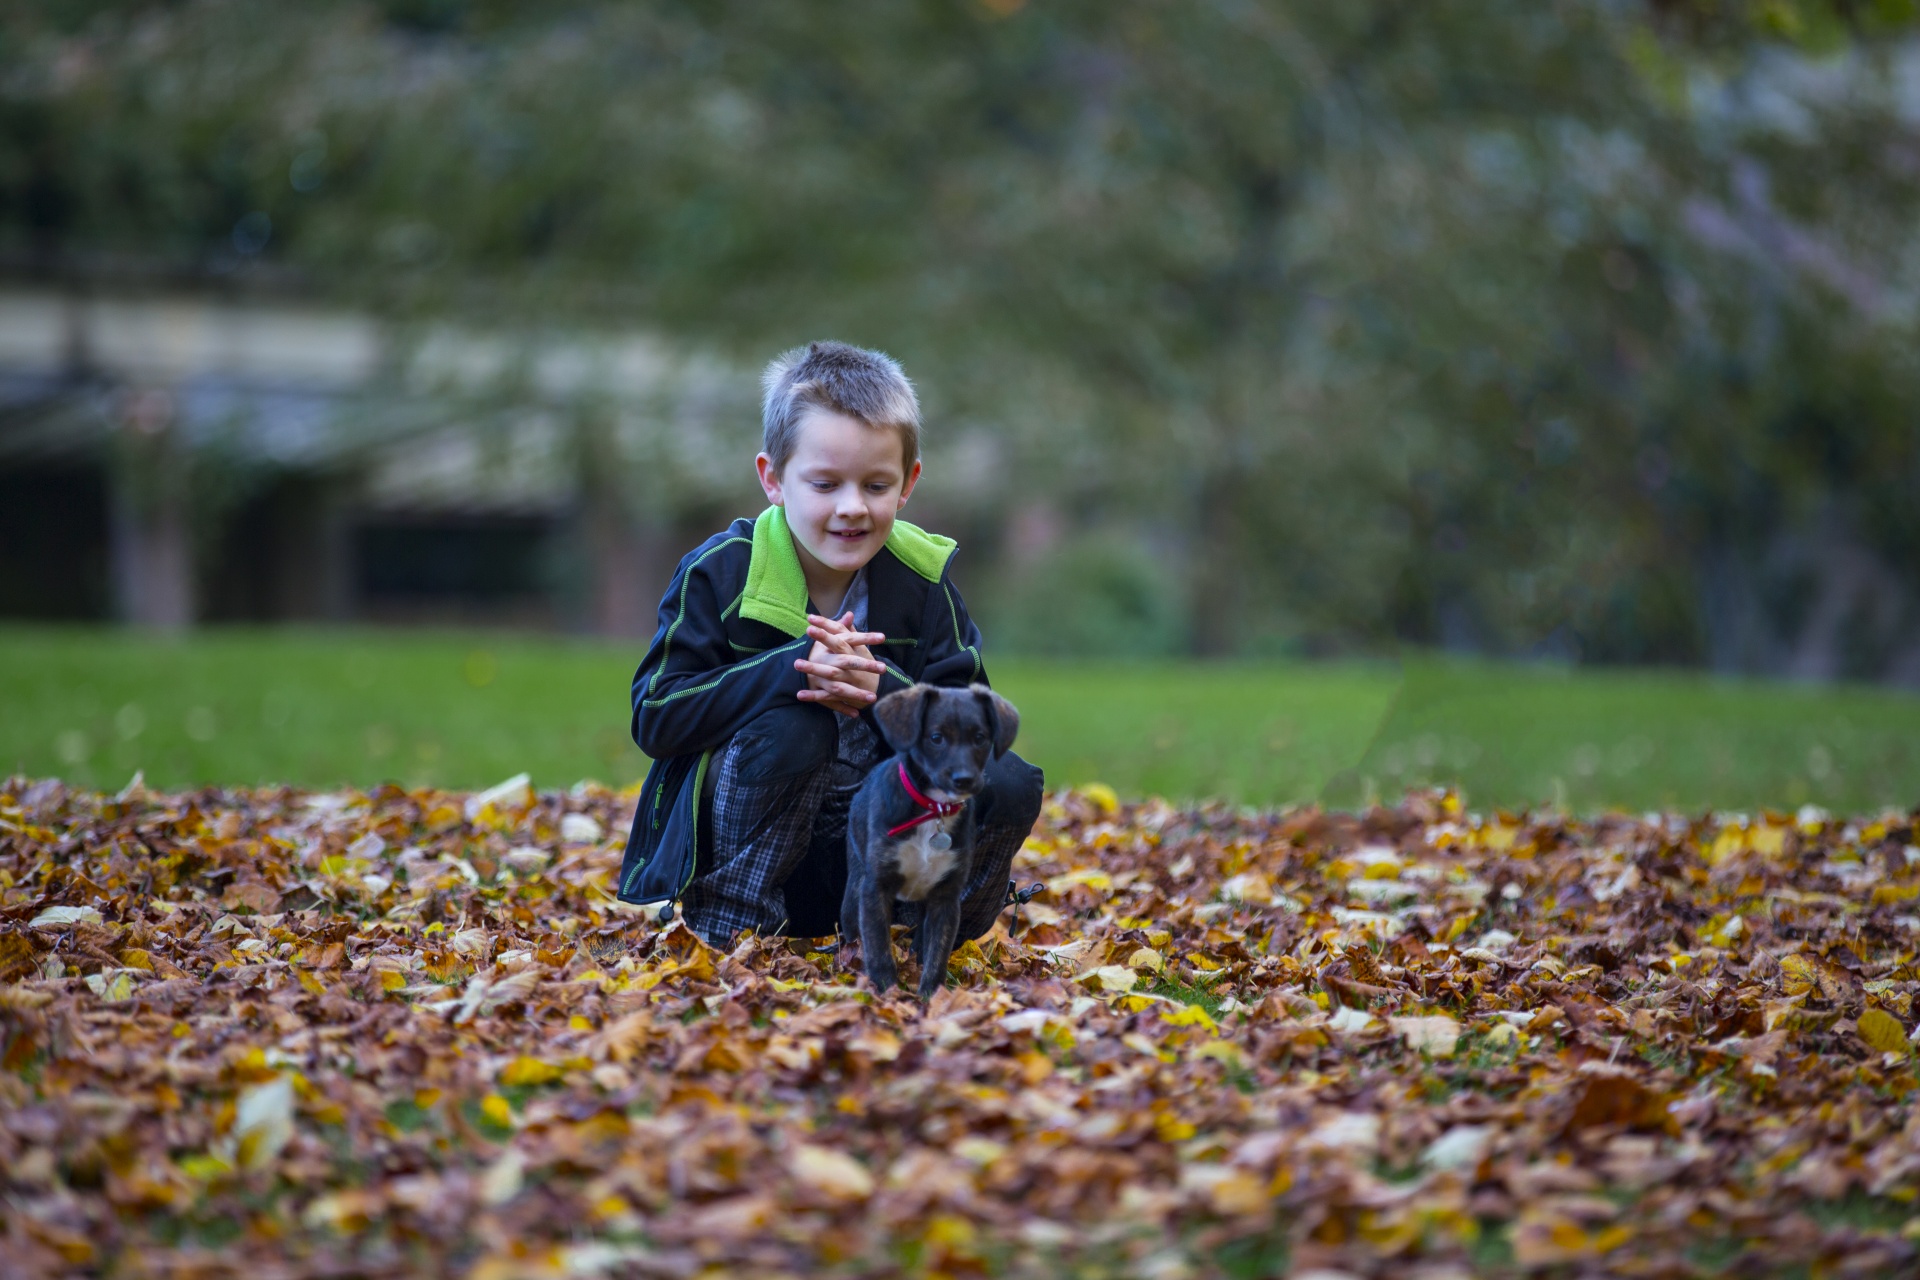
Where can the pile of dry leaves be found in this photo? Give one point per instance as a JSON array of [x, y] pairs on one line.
[[272, 1032]]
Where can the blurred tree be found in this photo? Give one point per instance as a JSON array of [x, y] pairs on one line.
[[1575, 329]]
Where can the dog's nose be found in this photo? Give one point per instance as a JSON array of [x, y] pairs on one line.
[[962, 781]]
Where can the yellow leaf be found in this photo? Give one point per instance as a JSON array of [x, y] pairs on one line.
[[1798, 977], [1147, 958], [263, 1123], [1104, 798], [1729, 842], [529, 1071], [495, 1109], [1171, 1128], [952, 1233], [1248, 886], [1140, 1044], [1110, 977], [1612, 1238], [1883, 1031], [1238, 1194], [1192, 1016], [1226, 1052], [392, 980]]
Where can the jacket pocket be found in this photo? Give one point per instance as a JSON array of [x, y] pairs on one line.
[[664, 847]]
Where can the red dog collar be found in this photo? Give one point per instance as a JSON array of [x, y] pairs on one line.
[[934, 809]]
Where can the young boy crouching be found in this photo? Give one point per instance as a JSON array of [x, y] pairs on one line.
[[776, 637]]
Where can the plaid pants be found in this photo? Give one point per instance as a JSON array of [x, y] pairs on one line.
[[783, 789]]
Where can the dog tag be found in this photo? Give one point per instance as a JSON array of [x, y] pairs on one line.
[[941, 842]]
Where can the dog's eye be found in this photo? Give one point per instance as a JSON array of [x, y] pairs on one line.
[[935, 739]]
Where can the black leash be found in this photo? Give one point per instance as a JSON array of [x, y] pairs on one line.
[[1018, 897]]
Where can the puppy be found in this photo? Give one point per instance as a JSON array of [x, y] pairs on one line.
[[910, 830]]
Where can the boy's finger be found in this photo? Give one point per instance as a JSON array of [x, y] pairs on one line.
[[828, 675], [843, 640], [847, 662], [852, 662]]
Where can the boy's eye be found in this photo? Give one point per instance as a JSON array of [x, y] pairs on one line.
[[823, 486]]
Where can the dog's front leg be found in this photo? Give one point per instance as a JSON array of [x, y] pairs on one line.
[[939, 929], [876, 935], [850, 907]]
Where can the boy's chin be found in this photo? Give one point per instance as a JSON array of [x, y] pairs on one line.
[[844, 554]]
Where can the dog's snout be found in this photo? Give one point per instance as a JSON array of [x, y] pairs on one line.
[[964, 781]]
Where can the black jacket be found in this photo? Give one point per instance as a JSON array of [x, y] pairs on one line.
[[731, 625]]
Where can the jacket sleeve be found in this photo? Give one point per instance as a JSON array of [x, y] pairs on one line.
[[950, 640], [694, 691]]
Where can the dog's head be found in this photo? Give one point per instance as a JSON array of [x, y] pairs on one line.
[[949, 734]]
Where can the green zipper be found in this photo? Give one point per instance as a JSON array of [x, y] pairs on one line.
[[699, 784]]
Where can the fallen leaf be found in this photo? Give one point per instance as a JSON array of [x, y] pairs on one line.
[[1883, 1031], [833, 1173], [1436, 1035]]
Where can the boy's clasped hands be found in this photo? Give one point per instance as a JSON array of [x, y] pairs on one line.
[[842, 673]]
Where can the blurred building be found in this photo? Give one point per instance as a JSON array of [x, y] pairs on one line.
[[170, 459]]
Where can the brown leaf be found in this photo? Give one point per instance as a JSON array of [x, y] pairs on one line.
[[1606, 1097]]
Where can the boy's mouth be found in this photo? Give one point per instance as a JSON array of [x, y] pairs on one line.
[[848, 535]]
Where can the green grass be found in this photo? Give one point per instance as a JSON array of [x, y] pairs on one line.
[[314, 707], [1271, 734], [356, 707], [1589, 739]]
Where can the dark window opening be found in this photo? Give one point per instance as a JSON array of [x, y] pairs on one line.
[[54, 558]]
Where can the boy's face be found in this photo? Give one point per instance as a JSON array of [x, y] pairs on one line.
[[841, 488]]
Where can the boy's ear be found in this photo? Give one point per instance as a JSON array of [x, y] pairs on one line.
[[900, 715], [1001, 717], [770, 483]]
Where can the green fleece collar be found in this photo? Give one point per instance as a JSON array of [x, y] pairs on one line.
[[776, 591]]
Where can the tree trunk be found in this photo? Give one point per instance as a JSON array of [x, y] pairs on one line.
[[152, 537]]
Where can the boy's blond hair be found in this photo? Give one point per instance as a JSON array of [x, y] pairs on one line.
[[862, 384]]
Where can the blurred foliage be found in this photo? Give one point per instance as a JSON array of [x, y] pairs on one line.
[[1096, 596], [1581, 329]]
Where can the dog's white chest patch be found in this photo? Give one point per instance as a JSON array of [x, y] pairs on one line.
[[921, 865]]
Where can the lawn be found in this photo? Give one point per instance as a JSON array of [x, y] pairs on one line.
[[1589, 739], [330, 708]]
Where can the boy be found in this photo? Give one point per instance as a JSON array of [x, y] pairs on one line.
[[776, 637]]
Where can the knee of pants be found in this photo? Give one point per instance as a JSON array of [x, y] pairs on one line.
[[1013, 793], [785, 742]]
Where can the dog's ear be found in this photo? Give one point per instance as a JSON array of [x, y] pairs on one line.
[[1001, 717], [900, 716]]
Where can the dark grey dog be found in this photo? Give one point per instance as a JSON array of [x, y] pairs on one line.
[[910, 830]]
